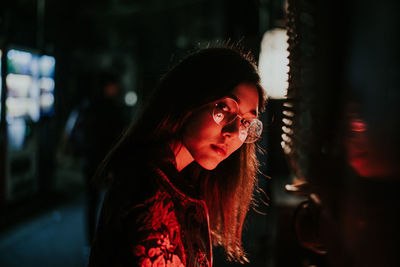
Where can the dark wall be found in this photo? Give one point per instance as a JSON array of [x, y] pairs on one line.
[[139, 40]]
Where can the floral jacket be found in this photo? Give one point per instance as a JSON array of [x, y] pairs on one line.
[[155, 224]]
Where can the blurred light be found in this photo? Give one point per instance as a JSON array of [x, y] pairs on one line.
[[287, 130], [111, 89], [357, 125], [19, 107], [288, 104], [34, 66], [47, 84], [20, 57], [46, 65], [274, 63], [131, 98], [16, 133], [70, 124], [286, 148], [34, 110], [291, 188], [288, 113], [287, 122], [286, 138], [18, 84], [46, 100]]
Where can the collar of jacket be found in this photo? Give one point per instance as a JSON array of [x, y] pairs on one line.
[[165, 181]]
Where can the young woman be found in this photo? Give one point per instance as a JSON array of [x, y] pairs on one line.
[[183, 175]]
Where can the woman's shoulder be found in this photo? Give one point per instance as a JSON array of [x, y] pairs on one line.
[[140, 212]]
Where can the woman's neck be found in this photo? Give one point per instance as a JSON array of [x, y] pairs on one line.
[[182, 156]]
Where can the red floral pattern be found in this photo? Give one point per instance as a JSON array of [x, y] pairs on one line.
[[162, 244], [168, 229]]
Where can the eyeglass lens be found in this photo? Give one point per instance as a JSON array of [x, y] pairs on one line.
[[226, 111]]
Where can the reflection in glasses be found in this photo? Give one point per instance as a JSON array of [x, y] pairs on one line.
[[226, 111]]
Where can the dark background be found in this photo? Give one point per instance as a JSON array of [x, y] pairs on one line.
[[133, 42], [343, 83]]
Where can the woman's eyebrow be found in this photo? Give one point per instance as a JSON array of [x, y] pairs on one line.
[[253, 111], [234, 97]]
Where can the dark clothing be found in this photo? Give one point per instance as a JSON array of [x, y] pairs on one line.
[[147, 220]]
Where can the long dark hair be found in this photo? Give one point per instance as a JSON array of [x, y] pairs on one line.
[[201, 78]]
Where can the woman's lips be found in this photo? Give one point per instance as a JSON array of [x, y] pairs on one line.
[[219, 149]]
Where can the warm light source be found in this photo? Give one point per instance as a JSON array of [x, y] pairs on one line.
[[274, 63]]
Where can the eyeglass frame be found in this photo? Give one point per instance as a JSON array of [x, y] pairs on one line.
[[241, 120]]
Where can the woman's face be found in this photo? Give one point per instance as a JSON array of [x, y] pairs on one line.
[[210, 143]]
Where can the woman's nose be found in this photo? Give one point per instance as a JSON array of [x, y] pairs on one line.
[[232, 129]]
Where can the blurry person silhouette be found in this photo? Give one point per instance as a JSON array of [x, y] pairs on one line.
[[100, 121]]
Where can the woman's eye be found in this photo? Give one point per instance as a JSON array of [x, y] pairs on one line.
[[222, 106]]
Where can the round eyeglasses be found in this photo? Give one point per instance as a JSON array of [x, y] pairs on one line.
[[226, 111]]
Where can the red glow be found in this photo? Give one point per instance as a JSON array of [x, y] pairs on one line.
[[367, 158], [358, 126]]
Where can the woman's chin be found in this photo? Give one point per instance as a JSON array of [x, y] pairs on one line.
[[209, 164]]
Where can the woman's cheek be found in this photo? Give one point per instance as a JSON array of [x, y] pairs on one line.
[[237, 146]]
